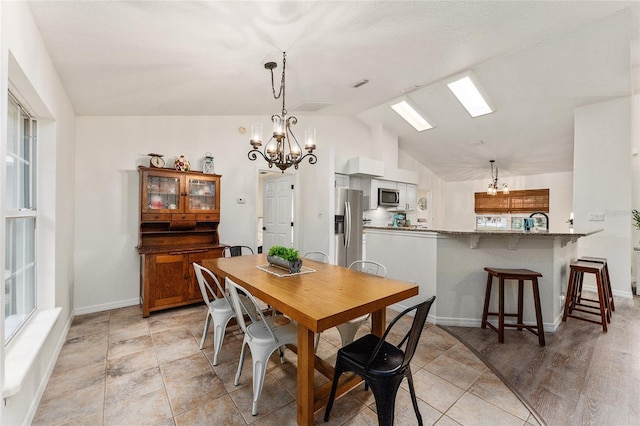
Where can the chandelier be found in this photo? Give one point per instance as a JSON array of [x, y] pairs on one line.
[[494, 186], [283, 149]]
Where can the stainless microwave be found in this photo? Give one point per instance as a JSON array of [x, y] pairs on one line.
[[388, 197]]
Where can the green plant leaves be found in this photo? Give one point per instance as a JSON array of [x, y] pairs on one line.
[[285, 253]]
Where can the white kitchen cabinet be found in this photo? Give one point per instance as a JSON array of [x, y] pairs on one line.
[[412, 196], [341, 181], [373, 191], [364, 185], [388, 184], [408, 195], [369, 188]]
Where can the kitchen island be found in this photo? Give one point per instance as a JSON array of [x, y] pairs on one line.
[[450, 264]]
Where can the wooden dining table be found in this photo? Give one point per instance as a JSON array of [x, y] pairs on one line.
[[317, 301]]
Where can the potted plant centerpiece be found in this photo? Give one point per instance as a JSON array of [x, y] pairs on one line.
[[286, 258]]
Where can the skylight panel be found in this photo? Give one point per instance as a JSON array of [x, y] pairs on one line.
[[468, 93], [411, 116]]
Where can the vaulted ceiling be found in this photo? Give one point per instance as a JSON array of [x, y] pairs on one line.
[[537, 61]]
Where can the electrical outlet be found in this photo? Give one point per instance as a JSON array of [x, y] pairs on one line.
[[596, 217]]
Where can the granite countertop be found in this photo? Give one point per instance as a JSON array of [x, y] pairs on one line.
[[480, 233]]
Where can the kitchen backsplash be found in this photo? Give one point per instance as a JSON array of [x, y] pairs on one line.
[[384, 217]]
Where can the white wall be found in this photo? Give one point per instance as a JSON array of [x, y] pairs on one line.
[[109, 149], [427, 181], [459, 199], [28, 70], [602, 184]]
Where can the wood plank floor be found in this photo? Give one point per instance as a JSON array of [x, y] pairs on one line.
[[581, 377]]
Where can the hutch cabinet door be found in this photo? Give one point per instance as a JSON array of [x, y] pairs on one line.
[[203, 194], [168, 279], [194, 289], [162, 191]]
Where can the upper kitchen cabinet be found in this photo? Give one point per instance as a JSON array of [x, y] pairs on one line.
[[408, 196], [369, 187], [341, 181], [364, 185]]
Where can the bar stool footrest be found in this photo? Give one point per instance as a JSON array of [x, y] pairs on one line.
[[585, 319]]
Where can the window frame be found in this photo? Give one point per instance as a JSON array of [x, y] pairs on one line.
[[24, 208]]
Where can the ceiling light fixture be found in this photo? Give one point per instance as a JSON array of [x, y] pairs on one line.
[[493, 187], [283, 137], [411, 115], [467, 90]]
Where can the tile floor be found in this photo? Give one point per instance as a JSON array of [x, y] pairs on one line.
[[117, 368]]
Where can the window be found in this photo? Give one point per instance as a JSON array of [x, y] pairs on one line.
[[20, 223]]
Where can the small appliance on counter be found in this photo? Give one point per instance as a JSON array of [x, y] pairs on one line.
[[399, 220]]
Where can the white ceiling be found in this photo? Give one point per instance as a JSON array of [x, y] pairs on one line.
[[536, 60]]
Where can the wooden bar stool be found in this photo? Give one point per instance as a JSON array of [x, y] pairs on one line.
[[574, 303], [521, 275], [606, 280]]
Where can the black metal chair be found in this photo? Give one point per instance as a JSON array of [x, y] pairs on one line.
[[232, 251], [383, 365]]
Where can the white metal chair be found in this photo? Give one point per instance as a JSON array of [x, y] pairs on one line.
[[219, 309], [263, 337], [370, 267], [349, 329], [318, 256]]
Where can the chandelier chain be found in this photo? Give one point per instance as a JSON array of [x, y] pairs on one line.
[[281, 92]]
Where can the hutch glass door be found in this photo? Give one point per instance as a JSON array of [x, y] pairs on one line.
[[163, 192], [202, 194]]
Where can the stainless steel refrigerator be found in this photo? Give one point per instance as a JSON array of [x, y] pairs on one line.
[[348, 226]]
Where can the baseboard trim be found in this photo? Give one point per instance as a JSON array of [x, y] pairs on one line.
[[106, 306]]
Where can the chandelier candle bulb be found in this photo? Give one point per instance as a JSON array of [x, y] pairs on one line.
[[272, 148], [295, 152], [256, 135], [277, 126], [310, 139]]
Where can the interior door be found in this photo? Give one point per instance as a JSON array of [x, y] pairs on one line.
[[277, 212]]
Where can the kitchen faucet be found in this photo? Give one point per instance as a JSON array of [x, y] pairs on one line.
[[543, 214]]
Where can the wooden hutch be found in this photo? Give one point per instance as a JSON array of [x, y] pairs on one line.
[[179, 217]]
